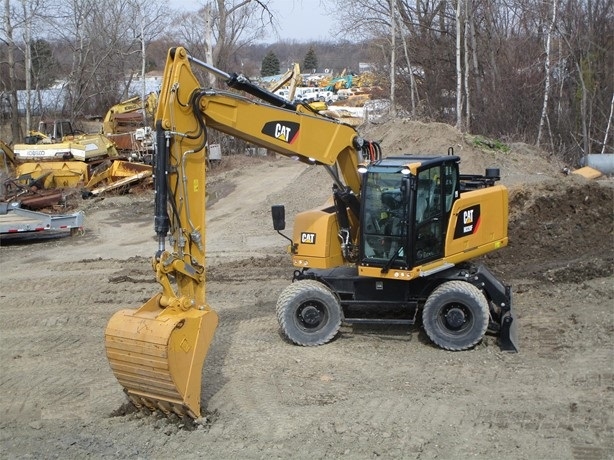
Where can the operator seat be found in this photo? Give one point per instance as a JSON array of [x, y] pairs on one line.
[[426, 188]]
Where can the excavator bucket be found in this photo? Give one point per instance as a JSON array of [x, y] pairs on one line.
[[157, 355]]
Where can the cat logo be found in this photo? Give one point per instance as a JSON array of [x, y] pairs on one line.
[[468, 222], [308, 238], [282, 132], [285, 131]]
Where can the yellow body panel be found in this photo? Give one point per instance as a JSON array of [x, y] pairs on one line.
[[315, 233], [492, 226]]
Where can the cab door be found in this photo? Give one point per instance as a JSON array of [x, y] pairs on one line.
[[436, 189], [384, 220]]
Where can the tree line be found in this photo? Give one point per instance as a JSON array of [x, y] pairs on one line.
[[540, 71], [527, 70]]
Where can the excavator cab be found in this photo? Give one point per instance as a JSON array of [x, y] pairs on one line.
[[51, 132], [405, 216]]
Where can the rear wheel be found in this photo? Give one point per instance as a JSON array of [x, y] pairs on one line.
[[455, 315], [309, 313]]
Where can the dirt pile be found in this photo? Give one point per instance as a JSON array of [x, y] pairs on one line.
[[559, 231], [518, 163]]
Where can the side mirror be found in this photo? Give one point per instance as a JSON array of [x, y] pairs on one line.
[[278, 211]]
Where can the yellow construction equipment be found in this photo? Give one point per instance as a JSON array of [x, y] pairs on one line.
[[292, 78], [398, 234], [60, 156], [57, 157], [128, 125]]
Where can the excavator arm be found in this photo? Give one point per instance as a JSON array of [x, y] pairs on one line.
[[157, 351]]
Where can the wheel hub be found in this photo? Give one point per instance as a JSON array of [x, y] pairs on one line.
[[310, 316], [455, 318]]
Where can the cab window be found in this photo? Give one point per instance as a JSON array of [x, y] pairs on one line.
[[429, 220]]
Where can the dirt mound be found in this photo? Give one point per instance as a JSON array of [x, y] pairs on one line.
[[518, 162], [559, 232]]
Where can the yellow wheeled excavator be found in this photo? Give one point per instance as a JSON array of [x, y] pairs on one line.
[[397, 236]]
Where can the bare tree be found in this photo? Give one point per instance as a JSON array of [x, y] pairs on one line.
[[98, 44], [27, 14], [393, 67], [466, 69], [547, 71], [149, 17], [228, 27], [459, 68], [413, 90], [609, 125], [31, 19], [208, 14], [12, 89]]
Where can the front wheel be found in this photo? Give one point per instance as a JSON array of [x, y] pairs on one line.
[[309, 314], [455, 315]]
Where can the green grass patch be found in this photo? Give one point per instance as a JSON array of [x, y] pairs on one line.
[[490, 144]]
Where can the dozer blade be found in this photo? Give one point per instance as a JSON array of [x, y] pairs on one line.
[[157, 355], [508, 334]]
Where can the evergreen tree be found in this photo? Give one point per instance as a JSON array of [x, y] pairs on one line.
[[270, 65], [44, 66], [310, 64]]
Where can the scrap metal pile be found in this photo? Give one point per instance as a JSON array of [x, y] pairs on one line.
[[56, 160]]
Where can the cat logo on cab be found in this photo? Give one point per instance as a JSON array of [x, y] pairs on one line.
[[308, 238]]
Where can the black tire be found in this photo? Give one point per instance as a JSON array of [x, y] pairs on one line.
[[455, 315], [309, 314]]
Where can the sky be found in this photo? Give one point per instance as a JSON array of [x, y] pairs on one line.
[[300, 20]]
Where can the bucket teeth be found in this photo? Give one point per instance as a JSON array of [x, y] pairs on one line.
[[165, 407]]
